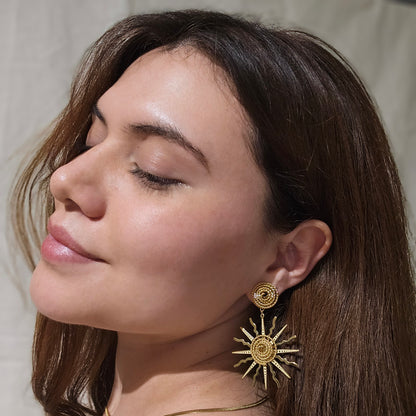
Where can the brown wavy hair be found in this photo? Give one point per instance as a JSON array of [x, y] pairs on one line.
[[315, 134]]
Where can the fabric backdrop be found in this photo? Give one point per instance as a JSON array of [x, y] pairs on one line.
[[41, 42]]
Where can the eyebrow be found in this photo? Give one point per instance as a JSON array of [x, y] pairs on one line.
[[166, 131]]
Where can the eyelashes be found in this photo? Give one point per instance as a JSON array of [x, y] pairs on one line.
[[153, 181]]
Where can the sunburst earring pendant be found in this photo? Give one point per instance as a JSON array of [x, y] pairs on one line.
[[264, 349]]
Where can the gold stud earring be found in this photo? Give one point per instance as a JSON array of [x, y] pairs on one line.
[[264, 349]]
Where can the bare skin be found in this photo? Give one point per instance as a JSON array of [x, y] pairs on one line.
[[174, 258]]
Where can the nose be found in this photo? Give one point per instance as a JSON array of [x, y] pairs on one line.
[[78, 185]]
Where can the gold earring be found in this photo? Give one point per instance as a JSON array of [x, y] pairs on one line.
[[264, 350]]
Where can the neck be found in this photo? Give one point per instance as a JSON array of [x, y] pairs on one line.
[[162, 376]]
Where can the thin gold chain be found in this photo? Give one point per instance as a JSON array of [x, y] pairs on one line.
[[215, 409]]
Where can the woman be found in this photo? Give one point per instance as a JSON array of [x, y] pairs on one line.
[[199, 156]]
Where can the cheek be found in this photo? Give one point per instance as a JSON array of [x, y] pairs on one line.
[[184, 257], [182, 239]]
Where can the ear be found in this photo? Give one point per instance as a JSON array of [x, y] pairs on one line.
[[297, 254]]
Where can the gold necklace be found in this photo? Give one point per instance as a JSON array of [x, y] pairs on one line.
[[215, 409]]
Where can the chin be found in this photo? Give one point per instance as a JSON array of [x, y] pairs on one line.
[[51, 297]]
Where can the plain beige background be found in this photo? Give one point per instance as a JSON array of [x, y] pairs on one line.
[[41, 42]]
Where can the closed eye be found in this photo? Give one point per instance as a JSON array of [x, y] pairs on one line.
[[153, 181]]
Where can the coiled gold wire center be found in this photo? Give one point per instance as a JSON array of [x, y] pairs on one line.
[[264, 295], [263, 349]]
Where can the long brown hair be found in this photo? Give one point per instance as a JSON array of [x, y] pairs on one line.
[[315, 134]]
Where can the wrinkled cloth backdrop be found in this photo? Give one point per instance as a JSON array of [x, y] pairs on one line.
[[41, 42]]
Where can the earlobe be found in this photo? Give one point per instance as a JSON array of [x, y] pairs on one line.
[[298, 252]]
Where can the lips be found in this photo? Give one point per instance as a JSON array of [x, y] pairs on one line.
[[60, 247]]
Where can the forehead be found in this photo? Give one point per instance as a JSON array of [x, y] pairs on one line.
[[185, 75], [183, 66], [184, 88]]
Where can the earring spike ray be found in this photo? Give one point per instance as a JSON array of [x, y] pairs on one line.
[[247, 334]]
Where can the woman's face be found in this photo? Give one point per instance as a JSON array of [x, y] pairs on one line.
[[158, 227]]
